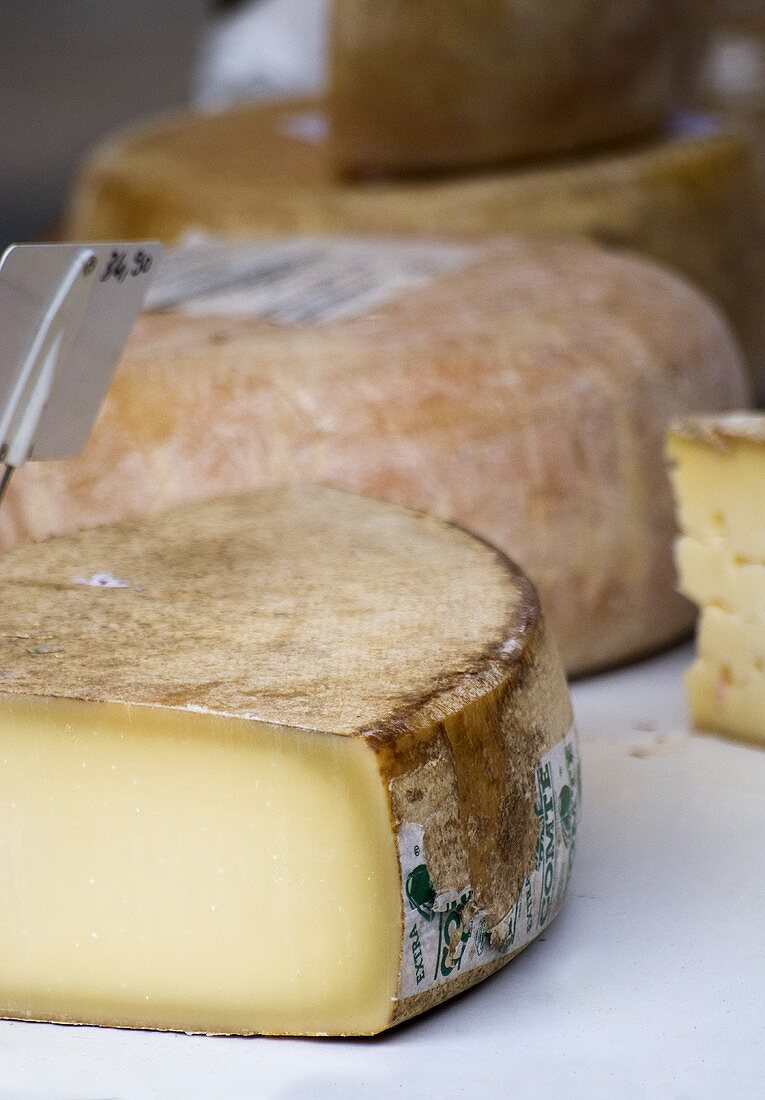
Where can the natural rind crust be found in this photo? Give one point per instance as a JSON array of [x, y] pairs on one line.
[[248, 171], [722, 431], [536, 419], [519, 722], [418, 84], [474, 690]]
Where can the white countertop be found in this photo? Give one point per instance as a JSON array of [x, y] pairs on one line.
[[651, 982]]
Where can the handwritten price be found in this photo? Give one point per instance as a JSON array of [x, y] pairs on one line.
[[119, 266]]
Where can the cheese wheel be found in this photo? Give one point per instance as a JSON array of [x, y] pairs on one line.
[[419, 84], [520, 388], [718, 468], [293, 763], [689, 201]]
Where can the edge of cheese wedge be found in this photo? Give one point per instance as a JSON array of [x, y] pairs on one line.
[[718, 470]]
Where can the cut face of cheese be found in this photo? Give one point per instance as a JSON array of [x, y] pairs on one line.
[[720, 464], [688, 200], [726, 685], [297, 763], [711, 574], [417, 86], [719, 475], [186, 871], [521, 388]]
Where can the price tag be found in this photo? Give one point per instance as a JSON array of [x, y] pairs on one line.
[[66, 311]]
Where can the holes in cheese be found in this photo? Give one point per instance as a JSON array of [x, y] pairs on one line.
[[310, 769]]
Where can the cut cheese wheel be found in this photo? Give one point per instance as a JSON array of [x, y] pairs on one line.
[[520, 388], [688, 201], [719, 476], [293, 763], [418, 85]]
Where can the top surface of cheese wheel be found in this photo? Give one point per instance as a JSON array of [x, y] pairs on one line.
[[418, 84], [306, 606], [688, 201], [521, 388]]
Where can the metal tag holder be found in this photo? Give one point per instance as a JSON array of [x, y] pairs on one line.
[[66, 311]]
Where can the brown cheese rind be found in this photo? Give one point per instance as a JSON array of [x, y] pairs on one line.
[[417, 85], [722, 431], [113, 614]]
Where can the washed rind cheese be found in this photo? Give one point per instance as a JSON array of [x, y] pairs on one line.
[[520, 388], [689, 200], [289, 763], [417, 85], [719, 475]]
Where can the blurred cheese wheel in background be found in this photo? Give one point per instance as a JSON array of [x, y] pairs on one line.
[[521, 388], [733, 76], [422, 84], [688, 200]]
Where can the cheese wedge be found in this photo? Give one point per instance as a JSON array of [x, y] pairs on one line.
[[292, 763], [521, 388], [719, 475], [418, 86], [689, 200]]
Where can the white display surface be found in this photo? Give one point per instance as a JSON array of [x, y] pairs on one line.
[[651, 983]]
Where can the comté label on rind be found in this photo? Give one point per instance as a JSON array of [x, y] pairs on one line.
[[719, 476], [445, 934], [520, 388], [417, 85], [289, 763], [690, 200]]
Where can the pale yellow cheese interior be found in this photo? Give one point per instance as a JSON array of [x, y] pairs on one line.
[[726, 684], [720, 488], [710, 574], [720, 495], [163, 868]]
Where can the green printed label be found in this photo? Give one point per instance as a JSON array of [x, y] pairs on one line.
[[444, 936]]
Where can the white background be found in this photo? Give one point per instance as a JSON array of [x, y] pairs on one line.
[[651, 982]]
